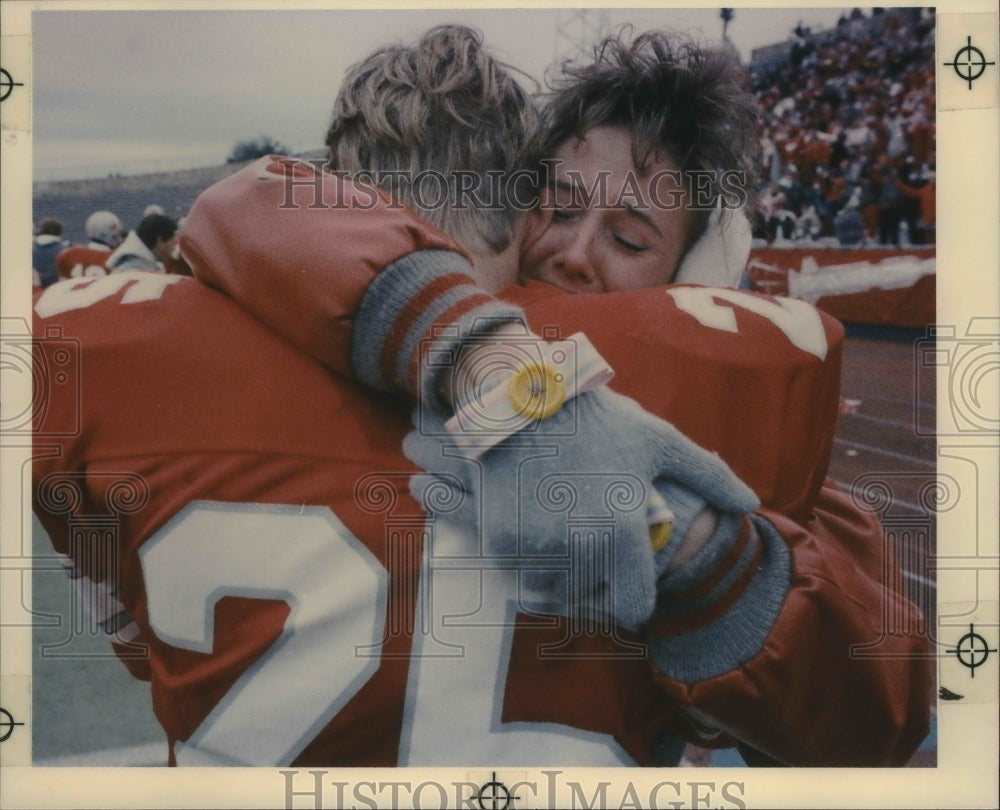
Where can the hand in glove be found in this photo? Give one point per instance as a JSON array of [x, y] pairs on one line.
[[568, 496]]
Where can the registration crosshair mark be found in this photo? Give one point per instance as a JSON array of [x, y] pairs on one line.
[[972, 650], [494, 795], [7, 725], [7, 84], [972, 60]]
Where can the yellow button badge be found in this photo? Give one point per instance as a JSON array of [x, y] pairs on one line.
[[537, 391]]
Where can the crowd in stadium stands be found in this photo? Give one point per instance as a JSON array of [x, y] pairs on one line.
[[849, 136], [152, 246]]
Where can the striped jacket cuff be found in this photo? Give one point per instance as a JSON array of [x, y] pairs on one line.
[[723, 620], [414, 316]]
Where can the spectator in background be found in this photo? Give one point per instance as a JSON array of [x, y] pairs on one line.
[[791, 186], [848, 224], [890, 206], [777, 222], [871, 189], [809, 225], [922, 190], [770, 158], [44, 248], [909, 206], [175, 263], [897, 146], [147, 248], [105, 233]]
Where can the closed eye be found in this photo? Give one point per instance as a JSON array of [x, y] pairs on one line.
[[628, 244], [565, 214]]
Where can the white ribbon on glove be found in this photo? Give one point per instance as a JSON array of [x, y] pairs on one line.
[[486, 420]]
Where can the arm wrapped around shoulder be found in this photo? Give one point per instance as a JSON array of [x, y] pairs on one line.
[[298, 247]]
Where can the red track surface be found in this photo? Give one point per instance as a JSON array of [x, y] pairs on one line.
[[883, 451]]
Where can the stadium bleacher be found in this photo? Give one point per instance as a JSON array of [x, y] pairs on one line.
[[849, 127], [71, 202]]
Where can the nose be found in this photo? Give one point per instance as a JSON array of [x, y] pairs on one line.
[[573, 263]]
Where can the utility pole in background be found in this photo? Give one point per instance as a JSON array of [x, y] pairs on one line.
[[727, 15], [577, 30]]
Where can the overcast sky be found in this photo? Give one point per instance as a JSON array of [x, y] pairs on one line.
[[132, 91]]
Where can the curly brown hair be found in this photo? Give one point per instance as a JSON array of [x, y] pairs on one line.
[[674, 96]]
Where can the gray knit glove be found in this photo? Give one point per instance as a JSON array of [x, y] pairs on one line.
[[567, 500]]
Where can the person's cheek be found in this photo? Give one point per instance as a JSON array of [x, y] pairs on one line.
[[610, 270], [538, 243], [616, 279], [529, 265], [538, 222], [619, 273]]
